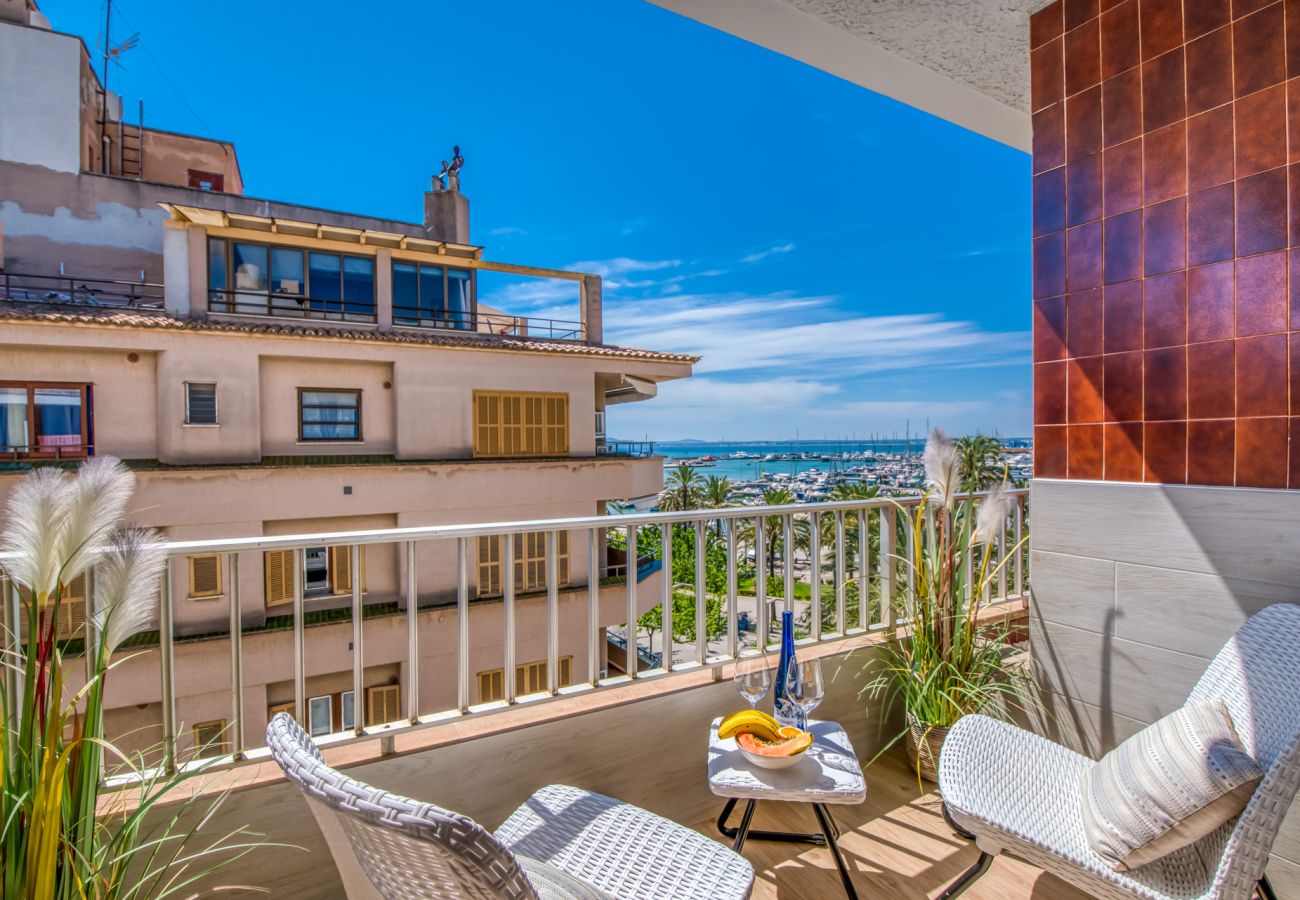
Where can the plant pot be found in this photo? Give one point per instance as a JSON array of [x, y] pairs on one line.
[[923, 745]]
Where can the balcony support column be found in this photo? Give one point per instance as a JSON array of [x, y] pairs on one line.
[[591, 309], [384, 289]]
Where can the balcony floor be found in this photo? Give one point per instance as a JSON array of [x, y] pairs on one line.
[[896, 845]]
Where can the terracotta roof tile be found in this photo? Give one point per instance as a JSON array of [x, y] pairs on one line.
[[141, 318]]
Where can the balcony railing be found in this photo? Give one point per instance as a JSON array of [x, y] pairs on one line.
[[290, 306], [858, 549], [638, 449], [66, 290], [489, 323]]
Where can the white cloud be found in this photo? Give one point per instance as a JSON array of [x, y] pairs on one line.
[[764, 254], [796, 337], [622, 265], [506, 230]]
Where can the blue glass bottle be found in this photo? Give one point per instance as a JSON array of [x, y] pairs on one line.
[[787, 713]]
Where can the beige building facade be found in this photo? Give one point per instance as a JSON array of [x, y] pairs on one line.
[[268, 369]]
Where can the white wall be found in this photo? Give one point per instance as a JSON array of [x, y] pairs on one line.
[[1135, 589], [40, 98]]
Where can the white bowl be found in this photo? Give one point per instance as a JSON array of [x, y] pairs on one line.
[[771, 762]]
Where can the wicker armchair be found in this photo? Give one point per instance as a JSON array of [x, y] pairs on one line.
[[562, 843], [1012, 790]]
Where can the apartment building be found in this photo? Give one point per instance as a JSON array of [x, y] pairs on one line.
[[273, 369]]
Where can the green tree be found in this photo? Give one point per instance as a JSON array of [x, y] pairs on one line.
[[715, 492], [774, 531], [682, 490], [979, 459]]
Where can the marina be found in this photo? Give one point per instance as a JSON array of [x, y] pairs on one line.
[[812, 471]]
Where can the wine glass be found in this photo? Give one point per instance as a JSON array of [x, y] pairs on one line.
[[806, 687], [753, 676]]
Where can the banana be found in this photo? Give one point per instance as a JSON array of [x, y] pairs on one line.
[[750, 721]]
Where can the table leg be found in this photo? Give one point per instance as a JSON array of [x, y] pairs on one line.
[[828, 829], [788, 837], [743, 830]]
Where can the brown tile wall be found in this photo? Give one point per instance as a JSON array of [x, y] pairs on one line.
[[1166, 227]]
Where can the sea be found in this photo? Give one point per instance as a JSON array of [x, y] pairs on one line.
[[754, 469]]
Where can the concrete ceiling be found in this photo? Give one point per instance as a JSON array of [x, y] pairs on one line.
[[966, 61]]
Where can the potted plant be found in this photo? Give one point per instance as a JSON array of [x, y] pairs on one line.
[[62, 834], [948, 663]]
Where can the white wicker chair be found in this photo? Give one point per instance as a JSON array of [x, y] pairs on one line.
[[562, 843], [1011, 790]]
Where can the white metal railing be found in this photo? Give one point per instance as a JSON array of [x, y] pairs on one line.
[[881, 565]]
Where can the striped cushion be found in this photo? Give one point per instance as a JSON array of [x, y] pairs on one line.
[[1167, 786]]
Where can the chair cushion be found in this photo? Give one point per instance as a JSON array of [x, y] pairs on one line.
[[1167, 786], [622, 849]]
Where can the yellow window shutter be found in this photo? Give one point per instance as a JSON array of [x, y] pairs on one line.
[[534, 425], [489, 565], [562, 549], [382, 704], [557, 424], [566, 671], [487, 424], [512, 425], [279, 576], [340, 563], [205, 575]]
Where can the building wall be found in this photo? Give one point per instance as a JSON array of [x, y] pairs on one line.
[[40, 115], [1162, 334], [1162, 351], [416, 400]]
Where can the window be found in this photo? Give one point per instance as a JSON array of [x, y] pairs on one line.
[[210, 739], [276, 708], [205, 576], [530, 678], [320, 713], [44, 421], [205, 181], [348, 715], [261, 279], [72, 609], [329, 415], [383, 704], [432, 295], [200, 403], [530, 562], [328, 573], [520, 424]]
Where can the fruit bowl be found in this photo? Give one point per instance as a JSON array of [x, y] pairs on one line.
[[771, 762]]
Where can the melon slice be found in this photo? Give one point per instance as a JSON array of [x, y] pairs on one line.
[[785, 746]]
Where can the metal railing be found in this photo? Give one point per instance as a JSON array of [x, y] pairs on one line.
[[68, 290], [489, 323], [639, 449], [845, 543], [245, 302]]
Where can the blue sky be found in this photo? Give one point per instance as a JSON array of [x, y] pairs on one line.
[[841, 261]]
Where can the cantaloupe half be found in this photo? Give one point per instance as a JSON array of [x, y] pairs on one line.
[[789, 744]]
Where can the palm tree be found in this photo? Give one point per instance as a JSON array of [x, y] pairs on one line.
[[682, 491], [715, 493], [774, 530], [978, 457]]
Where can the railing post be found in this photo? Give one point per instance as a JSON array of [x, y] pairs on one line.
[[701, 597], [815, 575], [552, 613], [666, 610], [629, 567], [787, 559], [841, 611], [733, 629], [760, 581], [166, 648], [236, 657], [358, 637], [413, 638], [864, 569], [1018, 514], [299, 640], [593, 607], [508, 606], [888, 566]]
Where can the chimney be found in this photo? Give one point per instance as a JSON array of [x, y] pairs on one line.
[[446, 214]]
